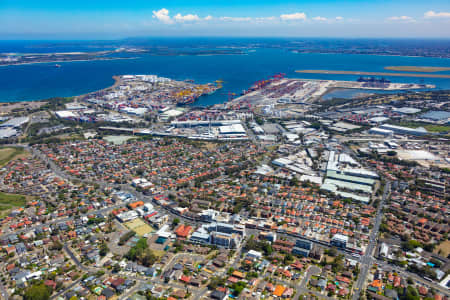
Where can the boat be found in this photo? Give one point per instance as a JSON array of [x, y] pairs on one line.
[[186, 101], [373, 80], [57, 66]]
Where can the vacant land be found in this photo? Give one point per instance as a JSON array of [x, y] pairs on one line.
[[444, 248], [159, 253], [10, 201], [7, 108], [9, 153], [416, 69]]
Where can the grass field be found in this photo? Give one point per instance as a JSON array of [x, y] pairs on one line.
[[444, 247], [437, 128], [428, 127], [9, 153], [159, 253], [139, 226], [10, 201]]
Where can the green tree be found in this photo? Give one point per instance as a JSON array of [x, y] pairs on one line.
[[410, 294], [331, 252], [288, 258], [411, 245], [141, 253], [103, 249], [238, 287], [175, 222]]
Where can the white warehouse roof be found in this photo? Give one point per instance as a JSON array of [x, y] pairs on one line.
[[65, 114], [231, 129], [7, 133], [15, 122]]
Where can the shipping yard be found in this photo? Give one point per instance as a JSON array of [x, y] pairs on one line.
[[150, 91], [278, 91]]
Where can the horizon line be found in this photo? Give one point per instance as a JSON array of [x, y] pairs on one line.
[[224, 37]]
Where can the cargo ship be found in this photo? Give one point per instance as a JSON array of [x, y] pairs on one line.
[[373, 80], [263, 83]]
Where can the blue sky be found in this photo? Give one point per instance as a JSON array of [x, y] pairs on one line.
[[70, 19]]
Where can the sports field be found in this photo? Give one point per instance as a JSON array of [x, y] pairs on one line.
[[139, 226]]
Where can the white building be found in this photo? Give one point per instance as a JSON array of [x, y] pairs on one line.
[[405, 130], [380, 131], [66, 114], [232, 129], [384, 249], [254, 254], [15, 122], [127, 216], [75, 106], [6, 133], [339, 240]]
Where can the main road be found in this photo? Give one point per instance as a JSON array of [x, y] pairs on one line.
[[367, 258]]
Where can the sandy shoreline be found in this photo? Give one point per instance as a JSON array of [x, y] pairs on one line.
[[116, 83]]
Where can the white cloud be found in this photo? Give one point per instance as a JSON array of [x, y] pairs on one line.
[[319, 18], [208, 18], [162, 15], [294, 16], [339, 18], [186, 18], [433, 14], [401, 18], [265, 18], [236, 19]]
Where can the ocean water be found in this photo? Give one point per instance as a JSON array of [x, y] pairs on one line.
[[239, 72]]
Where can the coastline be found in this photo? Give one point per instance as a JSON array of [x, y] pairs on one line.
[[116, 79], [374, 54], [113, 58], [116, 82], [67, 61]]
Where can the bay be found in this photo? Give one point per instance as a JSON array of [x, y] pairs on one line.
[[239, 72]]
